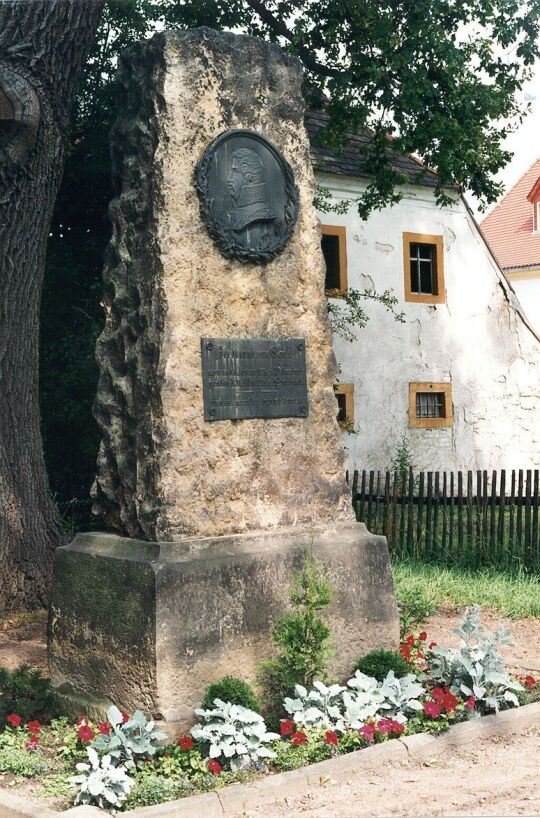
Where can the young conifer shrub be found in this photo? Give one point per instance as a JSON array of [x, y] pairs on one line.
[[230, 689], [377, 664], [302, 637]]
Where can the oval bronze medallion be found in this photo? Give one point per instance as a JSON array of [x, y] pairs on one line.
[[249, 201]]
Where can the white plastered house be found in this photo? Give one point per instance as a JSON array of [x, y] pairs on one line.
[[460, 378]]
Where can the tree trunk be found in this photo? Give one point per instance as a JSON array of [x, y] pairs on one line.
[[43, 44]]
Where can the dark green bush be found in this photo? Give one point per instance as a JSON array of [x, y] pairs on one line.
[[229, 689], [26, 692], [378, 662]]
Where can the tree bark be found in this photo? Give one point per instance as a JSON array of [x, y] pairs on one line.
[[43, 45]]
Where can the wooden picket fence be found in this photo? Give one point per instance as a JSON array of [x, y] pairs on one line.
[[468, 518]]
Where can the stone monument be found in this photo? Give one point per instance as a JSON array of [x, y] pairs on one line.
[[221, 457]]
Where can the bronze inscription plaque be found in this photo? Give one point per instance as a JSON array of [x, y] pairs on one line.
[[254, 378]]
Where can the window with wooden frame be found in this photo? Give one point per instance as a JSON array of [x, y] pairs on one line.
[[345, 400], [334, 247], [430, 405], [423, 268]]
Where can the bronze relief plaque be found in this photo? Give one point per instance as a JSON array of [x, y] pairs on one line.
[[248, 198], [254, 378]]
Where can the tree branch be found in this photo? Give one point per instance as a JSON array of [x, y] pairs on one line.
[[279, 28]]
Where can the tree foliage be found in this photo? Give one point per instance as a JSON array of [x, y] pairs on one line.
[[437, 78]]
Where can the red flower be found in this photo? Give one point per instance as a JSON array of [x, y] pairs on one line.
[[331, 738], [432, 709], [125, 717], [368, 731], [530, 681], [85, 733], [213, 767], [410, 640], [432, 645], [82, 720], [286, 727], [397, 726], [422, 636], [33, 727], [14, 720], [32, 744], [104, 728], [470, 702], [405, 652], [438, 694], [449, 702], [185, 743], [298, 738], [384, 726]]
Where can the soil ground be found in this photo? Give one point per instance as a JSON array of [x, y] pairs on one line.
[[497, 777]]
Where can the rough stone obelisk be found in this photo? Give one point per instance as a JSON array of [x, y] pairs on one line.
[[221, 457]]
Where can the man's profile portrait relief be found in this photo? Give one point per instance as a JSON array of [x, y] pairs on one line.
[[248, 198]]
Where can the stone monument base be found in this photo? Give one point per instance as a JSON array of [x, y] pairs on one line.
[[150, 625]]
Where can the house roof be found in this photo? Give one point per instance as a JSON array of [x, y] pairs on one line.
[[509, 227], [345, 161]]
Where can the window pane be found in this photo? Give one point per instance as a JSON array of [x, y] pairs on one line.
[[330, 248], [423, 268], [342, 407], [430, 405]]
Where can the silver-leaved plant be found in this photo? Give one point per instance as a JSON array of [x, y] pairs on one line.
[[101, 782], [320, 707], [476, 668], [131, 743], [234, 734]]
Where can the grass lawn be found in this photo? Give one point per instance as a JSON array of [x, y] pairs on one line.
[[514, 595]]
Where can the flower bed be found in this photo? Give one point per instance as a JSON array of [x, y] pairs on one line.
[[125, 762]]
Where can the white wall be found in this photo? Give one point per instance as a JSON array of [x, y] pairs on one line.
[[477, 340], [528, 292]]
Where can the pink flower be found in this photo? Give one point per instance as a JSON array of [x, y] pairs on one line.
[[331, 738], [213, 767], [530, 681], [438, 694], [85, 733], [104, 728], [14, 720], [125, 717], [286, 727], [298, 738], [432, 709], [384, 726], [397, 727], [32, 744], [471, 701], [368, 731]]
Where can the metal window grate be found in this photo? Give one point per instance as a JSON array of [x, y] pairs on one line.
[[423, 268], [430, 405]]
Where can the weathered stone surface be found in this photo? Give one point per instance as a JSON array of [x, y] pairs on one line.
[[150, 625], [165, 473]]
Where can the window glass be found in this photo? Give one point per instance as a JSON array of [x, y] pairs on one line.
[[423, 269], [330, 248], [430, 405]]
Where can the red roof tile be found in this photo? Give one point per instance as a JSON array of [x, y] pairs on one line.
[[508, 228]]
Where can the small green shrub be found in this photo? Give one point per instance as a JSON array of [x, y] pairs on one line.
[[302, 637], [18, 761], [377, 664], [230, 689], [415, 606], [26, 692]]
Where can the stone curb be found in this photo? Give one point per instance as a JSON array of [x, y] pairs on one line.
[[238, 798]]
